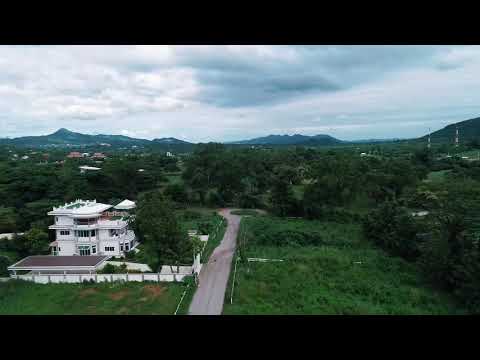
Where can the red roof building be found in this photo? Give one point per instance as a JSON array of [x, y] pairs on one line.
[[74, 155]]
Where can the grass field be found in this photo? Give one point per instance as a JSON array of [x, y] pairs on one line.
[[19, 297], [437, 176], [245, 212], [337, 273]]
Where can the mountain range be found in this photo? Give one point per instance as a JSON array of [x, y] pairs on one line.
[[296, 139], [67, 137], [468, 130]]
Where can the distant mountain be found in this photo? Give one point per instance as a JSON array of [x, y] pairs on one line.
[[467, 130], [170, 140], [67, 137], [296, 139]]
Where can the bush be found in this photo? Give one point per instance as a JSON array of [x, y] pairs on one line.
[[392, 228], [108, 269], [4, 264]]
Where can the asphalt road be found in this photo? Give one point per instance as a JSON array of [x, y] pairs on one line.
[[213, 278]]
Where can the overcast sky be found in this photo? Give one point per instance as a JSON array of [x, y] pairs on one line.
[[225, 93]]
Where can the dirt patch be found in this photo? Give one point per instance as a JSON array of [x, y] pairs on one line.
[[87, 292], [154, 290], [119, 295]]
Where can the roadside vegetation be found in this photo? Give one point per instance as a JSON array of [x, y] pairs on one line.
[[327, 268]]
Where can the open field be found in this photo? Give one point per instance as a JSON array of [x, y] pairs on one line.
[[333, 271], [25, 298], [437, 176]]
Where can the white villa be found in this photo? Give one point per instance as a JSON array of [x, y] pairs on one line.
[[89, 228]]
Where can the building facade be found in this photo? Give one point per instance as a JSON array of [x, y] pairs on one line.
[[86, 227]]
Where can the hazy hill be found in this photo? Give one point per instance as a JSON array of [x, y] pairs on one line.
[[296, 139], [468, 130], [64, 137]]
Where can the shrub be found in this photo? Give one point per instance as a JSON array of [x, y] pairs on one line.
[[4, 263]]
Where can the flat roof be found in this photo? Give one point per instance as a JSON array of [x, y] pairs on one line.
[[80, 207], [37, 261]]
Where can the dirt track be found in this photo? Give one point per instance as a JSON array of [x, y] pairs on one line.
[[209, 297]]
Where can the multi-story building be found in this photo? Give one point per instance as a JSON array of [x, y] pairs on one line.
[[90, 228]]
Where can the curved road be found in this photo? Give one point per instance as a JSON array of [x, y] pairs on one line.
[[213, 278]]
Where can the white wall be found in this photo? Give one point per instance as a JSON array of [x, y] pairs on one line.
[[110, 243], [63, 220], [67, 247], [71, 236], [79, 278]]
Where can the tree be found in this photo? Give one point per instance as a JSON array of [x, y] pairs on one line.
[[4, 264], [156, 224], [392, 228], [33, 242], [177, 193]]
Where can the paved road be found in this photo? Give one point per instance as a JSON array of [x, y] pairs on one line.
[[209, 297]]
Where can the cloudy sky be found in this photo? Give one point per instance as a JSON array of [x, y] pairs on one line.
[[225, 93]]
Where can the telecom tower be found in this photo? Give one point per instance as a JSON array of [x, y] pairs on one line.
[[428, 145], [456, 136]]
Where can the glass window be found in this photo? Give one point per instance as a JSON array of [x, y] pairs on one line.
[[94, 249], [84, 250]]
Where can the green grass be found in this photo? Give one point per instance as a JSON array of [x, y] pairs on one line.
[[327, 278], [26, 298], [214, 240], [298, 191], [437, 176], [247, 212]]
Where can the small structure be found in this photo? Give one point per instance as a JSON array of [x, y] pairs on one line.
[[25, 157], [49, 264], [169, 154], [88, 168], [420, 213], [9, 236], [98, 156], [125, 205], [74, 155], [85, 155]]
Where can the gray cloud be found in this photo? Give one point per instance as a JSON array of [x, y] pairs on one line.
[[207, 93]]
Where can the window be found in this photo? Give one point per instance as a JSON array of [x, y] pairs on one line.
[[121, 247], [94, 249], [56, 219], [84, 250], [127, 247], [109, 248], [85, 233], [64, 232]]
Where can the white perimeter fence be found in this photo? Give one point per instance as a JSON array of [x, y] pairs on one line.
[[80, 278]]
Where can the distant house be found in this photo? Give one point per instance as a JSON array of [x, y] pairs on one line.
[[169, 154], [88, 168], [85, 155], [74, 155], [98, 156], [25, 157]]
